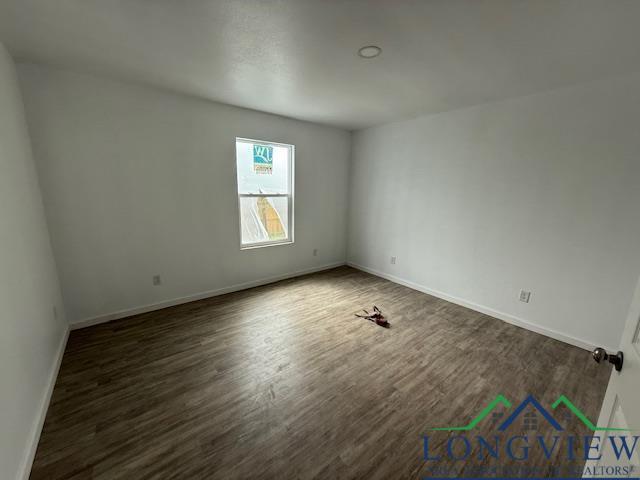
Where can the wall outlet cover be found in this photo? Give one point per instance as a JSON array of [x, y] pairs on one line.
[[525, 296]]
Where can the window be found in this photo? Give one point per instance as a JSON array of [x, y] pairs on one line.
[[265, 192]]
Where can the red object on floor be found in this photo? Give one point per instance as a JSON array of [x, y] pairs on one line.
[[375, 317]]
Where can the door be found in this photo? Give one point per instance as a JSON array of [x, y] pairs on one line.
[[621, 405]]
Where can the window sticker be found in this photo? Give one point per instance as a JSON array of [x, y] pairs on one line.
[[263, 159]]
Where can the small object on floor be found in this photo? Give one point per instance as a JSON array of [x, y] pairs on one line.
[[375, 317]]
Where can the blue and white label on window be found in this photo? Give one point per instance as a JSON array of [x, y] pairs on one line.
[[263, 159]]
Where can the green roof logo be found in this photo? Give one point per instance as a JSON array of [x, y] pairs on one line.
[[530, 401]]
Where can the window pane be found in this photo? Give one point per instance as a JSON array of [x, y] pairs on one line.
[[264, 219], [262, 168]]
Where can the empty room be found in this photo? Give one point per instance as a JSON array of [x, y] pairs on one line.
[[319, 239]]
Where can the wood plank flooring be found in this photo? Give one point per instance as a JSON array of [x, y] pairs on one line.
[[283, 382]]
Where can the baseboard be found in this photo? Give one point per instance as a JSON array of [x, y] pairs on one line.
[[36, 429], [519, 322], [198, 296]]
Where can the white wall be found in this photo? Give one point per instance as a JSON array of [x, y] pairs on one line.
[[31, 336], [539, 192], [139, 181]]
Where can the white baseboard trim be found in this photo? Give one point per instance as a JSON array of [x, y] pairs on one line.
[[36, 429], [198, 296], [519, 322]]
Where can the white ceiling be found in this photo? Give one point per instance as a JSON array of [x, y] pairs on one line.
[[298, 57]]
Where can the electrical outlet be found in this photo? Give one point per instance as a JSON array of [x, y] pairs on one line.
[[525, 296], [393, 260], [157, 280], [315, 252]]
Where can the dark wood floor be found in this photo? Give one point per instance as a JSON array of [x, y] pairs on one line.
[[283, 382]]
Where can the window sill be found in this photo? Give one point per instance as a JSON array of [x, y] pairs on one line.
[[252, 246]]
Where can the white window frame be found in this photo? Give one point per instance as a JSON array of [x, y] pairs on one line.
[[290, 230]]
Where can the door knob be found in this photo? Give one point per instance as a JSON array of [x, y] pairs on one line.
[[600, 354]]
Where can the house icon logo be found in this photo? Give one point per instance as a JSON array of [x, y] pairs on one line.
[[529, 401]]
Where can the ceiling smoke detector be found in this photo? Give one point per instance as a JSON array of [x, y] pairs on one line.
[[370, 51]]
